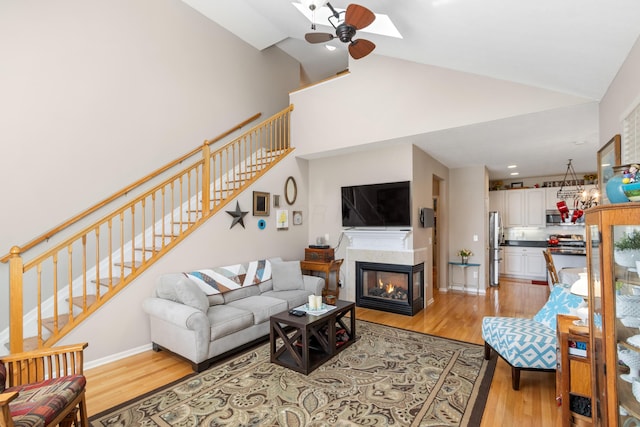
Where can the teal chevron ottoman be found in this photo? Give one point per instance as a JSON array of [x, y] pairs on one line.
[[529, 344]]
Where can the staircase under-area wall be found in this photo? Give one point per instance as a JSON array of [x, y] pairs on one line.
[[64, 284]]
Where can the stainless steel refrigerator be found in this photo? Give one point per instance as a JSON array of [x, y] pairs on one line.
[[496, 237]]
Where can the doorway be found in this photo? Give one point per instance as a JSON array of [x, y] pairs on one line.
[[435, 191]]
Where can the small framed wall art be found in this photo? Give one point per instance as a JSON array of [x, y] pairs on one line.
[[608, 157], [282, 219], [260, 203], [297, 217]]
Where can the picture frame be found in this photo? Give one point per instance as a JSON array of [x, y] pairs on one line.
[[282, 219], [608, 157], [260, 203], [297, 217], [517, 184], [290, 190]]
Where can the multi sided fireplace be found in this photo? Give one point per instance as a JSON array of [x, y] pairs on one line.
[[390, 287]]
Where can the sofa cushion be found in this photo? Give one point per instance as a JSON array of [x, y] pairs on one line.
[[294, 298], [237, 294], [561, 301], [226, 319], [286, 275], [262, 307]]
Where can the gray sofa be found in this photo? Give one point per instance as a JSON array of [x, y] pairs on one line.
[[207, 314]]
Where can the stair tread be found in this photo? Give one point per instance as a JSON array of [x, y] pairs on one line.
[[77, 301], [129, 264], [29, 344], [104, 281], [48, 323]]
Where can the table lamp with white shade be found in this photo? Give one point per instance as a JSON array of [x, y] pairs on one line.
[[581, 288]]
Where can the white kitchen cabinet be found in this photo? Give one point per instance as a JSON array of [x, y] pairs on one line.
[[524, 262], [525, 208]]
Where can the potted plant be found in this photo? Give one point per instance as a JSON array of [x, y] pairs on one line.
[[627, 249], [465, 254]]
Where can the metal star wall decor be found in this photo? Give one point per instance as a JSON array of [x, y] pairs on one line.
[[238, 215]]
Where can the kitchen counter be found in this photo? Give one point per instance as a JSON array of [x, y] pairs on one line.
[[568, 251], [527, 243]]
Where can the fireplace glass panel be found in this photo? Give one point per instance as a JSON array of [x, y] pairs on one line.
[[382, 284]]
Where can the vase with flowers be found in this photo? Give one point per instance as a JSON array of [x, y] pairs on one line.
[[465, 254]]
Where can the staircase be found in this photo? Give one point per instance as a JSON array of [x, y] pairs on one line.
[[72, 278]]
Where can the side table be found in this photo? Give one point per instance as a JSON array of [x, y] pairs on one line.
[[331, 271], [464, 284]]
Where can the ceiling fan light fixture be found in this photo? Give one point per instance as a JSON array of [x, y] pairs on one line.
[[313, 4], [330, 47]]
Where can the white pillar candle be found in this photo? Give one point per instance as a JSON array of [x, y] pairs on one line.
[[318, 302], [312, 302]]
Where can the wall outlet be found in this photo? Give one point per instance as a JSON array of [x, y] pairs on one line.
[[475, 274], [475, 237]]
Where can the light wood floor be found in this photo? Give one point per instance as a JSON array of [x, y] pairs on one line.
[[453, 315]]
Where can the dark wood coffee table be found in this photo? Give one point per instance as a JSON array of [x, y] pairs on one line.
[[313, 340]]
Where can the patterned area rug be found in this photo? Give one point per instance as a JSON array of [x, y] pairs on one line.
[[388, 377]]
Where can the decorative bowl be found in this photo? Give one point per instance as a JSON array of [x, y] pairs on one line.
[[627, 306], [631, 358], [632, 191]]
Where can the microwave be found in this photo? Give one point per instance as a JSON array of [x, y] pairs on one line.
[[554, 218]]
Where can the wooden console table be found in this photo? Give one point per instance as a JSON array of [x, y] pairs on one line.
[[331, 271]]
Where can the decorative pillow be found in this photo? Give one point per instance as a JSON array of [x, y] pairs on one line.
[[286, 276], [561, 301], [190, 294]]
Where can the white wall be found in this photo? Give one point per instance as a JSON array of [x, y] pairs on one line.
[[622, 96], [384, 98], [468, 216], [97, 94]]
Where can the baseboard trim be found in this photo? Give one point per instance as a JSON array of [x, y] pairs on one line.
[[117, 356]]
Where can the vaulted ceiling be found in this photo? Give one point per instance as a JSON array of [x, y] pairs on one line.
[[572, 46]]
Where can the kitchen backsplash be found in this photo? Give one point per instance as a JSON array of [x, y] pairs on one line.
[[530, 233]]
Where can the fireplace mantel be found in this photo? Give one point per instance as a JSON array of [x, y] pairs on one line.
[[379, 239]]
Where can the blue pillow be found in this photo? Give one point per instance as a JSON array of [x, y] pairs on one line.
[[561, 301]]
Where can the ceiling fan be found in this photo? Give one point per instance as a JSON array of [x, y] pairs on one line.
[[356, 17]]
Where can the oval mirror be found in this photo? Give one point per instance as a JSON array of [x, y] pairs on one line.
[[290, 190]]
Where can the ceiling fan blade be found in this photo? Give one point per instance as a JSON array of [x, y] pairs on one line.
[[318, 37], [358, 16], [360, 48]]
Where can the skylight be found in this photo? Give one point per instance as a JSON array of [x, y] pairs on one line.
[[382, 25]]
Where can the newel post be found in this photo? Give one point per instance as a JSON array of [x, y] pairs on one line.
[[206, 179], [16, 337]]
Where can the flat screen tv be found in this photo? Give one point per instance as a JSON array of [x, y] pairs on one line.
[[377, 205]]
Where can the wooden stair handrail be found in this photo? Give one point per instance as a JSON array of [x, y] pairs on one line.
[[47, 235]]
